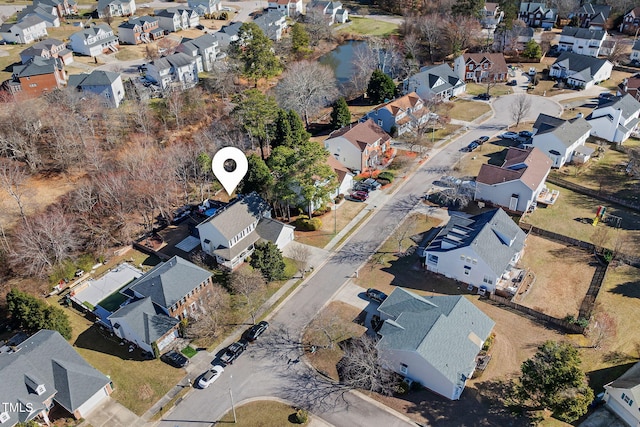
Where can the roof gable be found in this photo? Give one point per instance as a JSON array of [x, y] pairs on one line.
[[529, 166], [238, 215], [361, 134]]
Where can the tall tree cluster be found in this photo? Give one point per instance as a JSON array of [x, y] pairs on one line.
[[32, 314], [254, 51]]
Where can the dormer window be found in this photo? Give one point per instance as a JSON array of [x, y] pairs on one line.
[[4, 417]]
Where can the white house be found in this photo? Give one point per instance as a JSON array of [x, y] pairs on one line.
[[94, 41], [205, 7], [205, 47], [105, 84], [116, 8], [580, 70], [622, 396], [517, 183], [477, 250], [177, 18], [561, 139], [360, 146], [537, 15], [343, 175], [273, 23], [583, 41], [47, 13], [332, 9], [438, 82], [491, 15], [615, 119], [178, 68], [231, 233], [28, 30], [635, 51], [432, 340], [403, 114], [291, 8]]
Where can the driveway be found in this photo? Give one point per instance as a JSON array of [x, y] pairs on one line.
[[9, 10], [112, 414]]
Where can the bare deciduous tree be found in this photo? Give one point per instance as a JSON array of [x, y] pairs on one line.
[[520, 107], [301, 258], [248, 283], [431, 29], [602, 328], [215, 309], [315, 22], [546, 39], [362, 368], [326, 330], [364, 62], [12, 180]]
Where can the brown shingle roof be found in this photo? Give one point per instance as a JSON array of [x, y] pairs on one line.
[[497, 59], [362, 134], [337, 166], [402, 104], [536, 167]]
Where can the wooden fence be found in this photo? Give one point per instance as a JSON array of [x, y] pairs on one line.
[[149, 251], [528, 228], [593, 193], [536, 315]]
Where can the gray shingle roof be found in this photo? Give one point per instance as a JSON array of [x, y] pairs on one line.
[[584, 33], [493, 235], [270, 229], [147, 321], [168, 282], [580, 63], [103, 4], [239, 215], [447, 331], [626, 103], [37, 66], [630, 379], [175, 60], [429, 76], [96, 78], [202, 42], [567, 131], [47, 358]]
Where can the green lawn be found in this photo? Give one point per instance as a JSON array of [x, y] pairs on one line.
[[262, 413], [369, 27], [467, 110]]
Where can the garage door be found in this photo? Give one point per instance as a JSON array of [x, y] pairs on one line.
[[167, 340], [93, 401], [621, 411]]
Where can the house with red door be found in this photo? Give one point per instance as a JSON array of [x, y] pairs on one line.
[[359, 146], [480, 67]]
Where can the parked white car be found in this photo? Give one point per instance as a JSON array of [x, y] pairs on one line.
[[210, 376]]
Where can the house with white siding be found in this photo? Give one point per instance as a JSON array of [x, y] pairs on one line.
[[28, 30], [291, 8], [584, 41], [476, 250], [562, 140], [432, 340], [205, 47], [622, 396], [437, 82], [177, 18], [343, 175], [359, 146], [94, 41], [517, 183], [48, 48], [614, 119], [580, 71], [108, 8], [47, 13], [400, 115], [205, 7], [105, 84], [178, 69], [635, 51]]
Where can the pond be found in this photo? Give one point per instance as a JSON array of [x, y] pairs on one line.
[[340, 59]]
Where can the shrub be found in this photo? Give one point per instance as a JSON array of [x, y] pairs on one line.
[[302, 416], [402, 388], [306, 224], [393, 131], [489, 342], [386, 175], [383, 182]]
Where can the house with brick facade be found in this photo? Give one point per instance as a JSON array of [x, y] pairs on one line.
[[35, 78], [593, 16], [359, 146], [478, 67], [631, 86], [631, 21], [537, 15], [137, 30]]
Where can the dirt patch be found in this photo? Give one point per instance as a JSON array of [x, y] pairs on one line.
[[562, 276]]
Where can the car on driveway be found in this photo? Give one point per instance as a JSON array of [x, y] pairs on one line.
[[233, 352], [472, 146], [513, 83], [255, 331], [175, 359], [509, 135], [359, 196], [482, 140], [525, 133], [375, 295], [484, 96], [372, 183], [360, 186], [210, 376]]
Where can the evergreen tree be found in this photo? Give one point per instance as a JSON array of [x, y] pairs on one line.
[[268, 259], [298, 131], [510, 9], [471, 8], [300, 40], [256, 111], [33, 314], [532, 50], [258, 177], [282, 134], [340, 114], [380, 87], [254, 51], [553, 379]]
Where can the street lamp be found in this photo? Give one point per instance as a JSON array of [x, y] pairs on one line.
[[233, 407]]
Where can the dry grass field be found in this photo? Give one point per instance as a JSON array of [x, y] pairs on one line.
[[338, 219]]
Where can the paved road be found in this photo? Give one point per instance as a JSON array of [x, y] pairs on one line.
[[267, 367]]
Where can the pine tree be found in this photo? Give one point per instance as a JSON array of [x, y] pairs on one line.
[[340, 114], [254, 51], [380, 87], [33, 314], [258, 177], [300, 40], [282, 133], [532, 50], [268, 259], [298, 132]]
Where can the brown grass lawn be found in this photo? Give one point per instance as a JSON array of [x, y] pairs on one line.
[[138, 383], [572, 215], [616, 78], [468, 110], [563, 274], [497, 90], [261, 414], [319, 238], [337, 318], [492, 152], [9, 56], [606, 173]]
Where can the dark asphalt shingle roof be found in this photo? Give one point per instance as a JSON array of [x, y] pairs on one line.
[[175, 60], [566, 131], [96, 78], [431, 74], [37, 66], [147, 321], [239, 215], [626, 103], [270, 229]]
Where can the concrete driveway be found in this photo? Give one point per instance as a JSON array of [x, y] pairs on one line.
[[602, 418], [112, 414]]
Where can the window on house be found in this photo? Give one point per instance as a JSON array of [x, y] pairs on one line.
[[488, 280], [432, 259], [404, 368], [470, 67], [462, 257], [469, 75], [467, 270], [475, 261], [379, 122]]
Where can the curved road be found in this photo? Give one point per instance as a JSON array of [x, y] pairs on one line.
[[272, 367]]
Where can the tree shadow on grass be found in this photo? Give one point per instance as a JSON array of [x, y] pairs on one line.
[[599, 377], [101, 341], [628, 289]]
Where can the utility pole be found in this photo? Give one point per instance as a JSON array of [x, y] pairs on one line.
[[233, 407]]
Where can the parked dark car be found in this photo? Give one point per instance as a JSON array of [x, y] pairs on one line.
[[484, 96], [482, 140], [359, 196], [375, 295], [233, 352], [525, 134], [472, 146], [513, 83], [360, 186], [175, 359], [372, 183], [255, 331]]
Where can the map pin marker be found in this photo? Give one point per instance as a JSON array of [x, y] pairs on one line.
[[229, 165]]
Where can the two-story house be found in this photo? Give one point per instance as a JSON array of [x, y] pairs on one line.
[[401, 115], [177, 18], [231, 233], [228, 34], [30, 29], [105, 84], [635, 51], [205, 47], [433, 341], [537, 15], [47, 13], [480, 67], [143, 29], [517, 183], [512, 40], [631, 22], [36, 77], [273, 23], [614, 119], [621, 396], [593, 16], [44, 373], [108, 8], [359, 146], [580, 71], [435, 82], [631, 86], [491, 15], [333, 10], [48, 48], [63, 7], [205, 7], [177, 69], [561, 140], [583, 41], [476, 250], [290, 8], [94, 41]]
